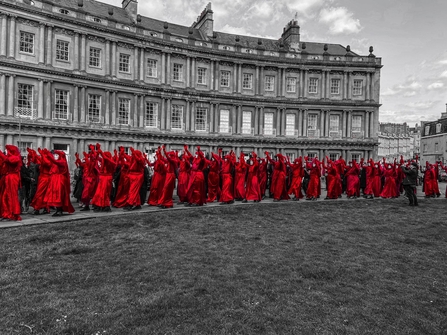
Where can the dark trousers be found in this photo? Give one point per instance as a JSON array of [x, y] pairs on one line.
[[411, 195]]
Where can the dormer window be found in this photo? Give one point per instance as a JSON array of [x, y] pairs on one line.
[[179, 40], [153, 34], [64, 11], [126, 27], [226, 47], [32, 3], [97, 20], [249, 51]]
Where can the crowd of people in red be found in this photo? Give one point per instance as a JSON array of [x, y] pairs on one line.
[[104, 179]]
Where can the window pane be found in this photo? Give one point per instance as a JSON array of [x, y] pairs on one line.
[[201, 76], [62, 50], [269, 83], [312, 121], [291, 85], [268, 124], [201, 119], [177, 117], [290, 124], [151, 115], [225, 78], [357, 87], [313, 85], [95, 57], [26, 42], [224, 121], [178, 72], [247, 81], [334, 123], [94, 107], [123, 111], [335, 86], [61, 105], [246, 122], [124, 63], [152, 68], [357, 123]]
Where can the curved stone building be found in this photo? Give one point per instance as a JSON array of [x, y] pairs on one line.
[[74, 72]]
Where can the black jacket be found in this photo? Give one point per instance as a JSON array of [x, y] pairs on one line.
[[411, 176]]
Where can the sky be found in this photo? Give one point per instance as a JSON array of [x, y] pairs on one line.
[[406, 34]]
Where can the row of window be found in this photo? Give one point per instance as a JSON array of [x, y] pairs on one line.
[[62, 54], [151, 112]]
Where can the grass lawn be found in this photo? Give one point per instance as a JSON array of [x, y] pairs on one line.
[[341, 267]]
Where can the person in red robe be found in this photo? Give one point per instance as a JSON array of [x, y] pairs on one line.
[[313, 189], [58, 192], [101, 198], [90, 177], [226, 173], [171, 164], [9, 200], [213, 178], [136, 178], [352, 180], [263, 175], [389, 189], [278, 186], [158, 179], [122, 189], [368, 192], [253, 189], [43, 180], [183, 175], [239, 178], [196, 188], [377, 179], [333, 180], [429, 181], [297, 178]]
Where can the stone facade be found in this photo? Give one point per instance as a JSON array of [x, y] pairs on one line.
[[75, 72], [434, 140]]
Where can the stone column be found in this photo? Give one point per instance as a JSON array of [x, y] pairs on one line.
[[11, 86], [48, 106], [188, 72], [40, 102], [107, 59], [142, 112], [372, 97], [136, 70], [163, 115], [305, 88], [234, 78], [193, 72], [216, 117], [211, 121], [305, 123], [216, 75], [135, 111], [168, 113], [238, 129], [82, 100], [345, 85], [113, 62], [328, 84], [261, 120], [349, 123], [113, 106], [76, 51], [142, 61], [233, 119], [75, 104], [211, 79], [349, 93], [83, 53], [283, 121], [163, 68], [239, 79], [2, 94], [345, 127], [261, 80], [327, 119], [368, 86], [107, 108], [2, 142], [300, 122], [49, 59], [193, 116], [323, 84], [367, 126], [278, 121], [12, 36], [188, 116], [41, 58], [322, 121], [256, 120], [3, 36]]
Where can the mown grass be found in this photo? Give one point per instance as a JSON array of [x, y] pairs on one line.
[[343, 267]]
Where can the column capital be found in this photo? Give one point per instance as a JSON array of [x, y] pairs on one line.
[[347, 110], [49, 25], [12, 16]]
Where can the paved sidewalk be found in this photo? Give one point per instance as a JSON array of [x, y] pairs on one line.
[[30, 219]]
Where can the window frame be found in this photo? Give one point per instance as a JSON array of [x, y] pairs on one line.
[[61, 111], [313, 86], [24, 44], [124, 63], [123, 111], [91, 110], [269, 121], [177, 72], [247, 81], [94, 57], [269, 83], [151, 70], [177, 109], [291, 85], [154, 107], [225, 77], [290, 126], [62, 50], [357, 87], [201, 76], [246, 125], [203, 121], [335, 86]]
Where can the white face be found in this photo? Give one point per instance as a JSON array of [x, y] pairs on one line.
[[56, 156]]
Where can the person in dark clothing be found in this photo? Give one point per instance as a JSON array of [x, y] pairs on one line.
[[410, 183], [24, 191]]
